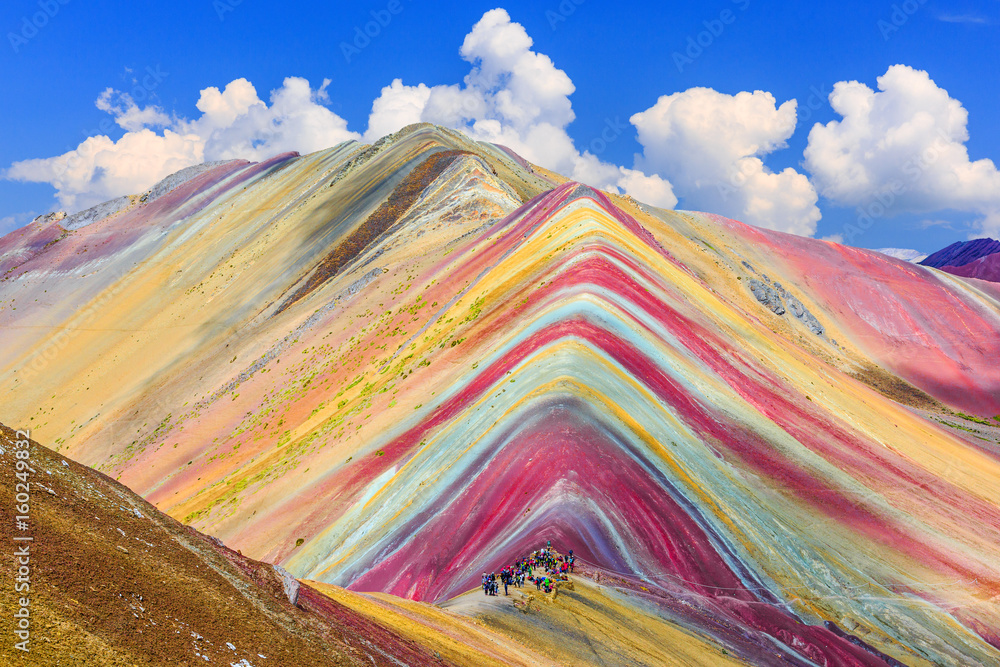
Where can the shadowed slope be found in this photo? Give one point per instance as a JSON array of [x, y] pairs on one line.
[[113, 581]]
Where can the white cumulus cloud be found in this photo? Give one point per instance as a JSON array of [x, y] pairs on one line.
[[902, 149], [100, 169], [516, 97], [127, 113], [235, 123], [710, 145]]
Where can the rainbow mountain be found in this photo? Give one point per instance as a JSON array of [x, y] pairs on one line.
[[390, 368]]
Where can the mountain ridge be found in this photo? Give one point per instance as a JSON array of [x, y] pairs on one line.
[[512, 357]]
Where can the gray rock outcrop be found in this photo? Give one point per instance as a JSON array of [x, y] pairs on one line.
[[767, 295]]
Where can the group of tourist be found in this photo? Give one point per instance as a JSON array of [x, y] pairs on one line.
[[551, 566]]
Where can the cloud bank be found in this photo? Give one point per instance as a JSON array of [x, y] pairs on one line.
[[903, 147], [903, 144], [710, 146], [234, 123]]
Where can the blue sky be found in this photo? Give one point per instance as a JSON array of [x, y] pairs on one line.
[[621, 58]]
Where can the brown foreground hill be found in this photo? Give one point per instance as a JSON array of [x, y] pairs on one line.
[[114, 581]]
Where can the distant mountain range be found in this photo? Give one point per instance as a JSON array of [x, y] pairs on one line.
[[979, 258], [962, 253]]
